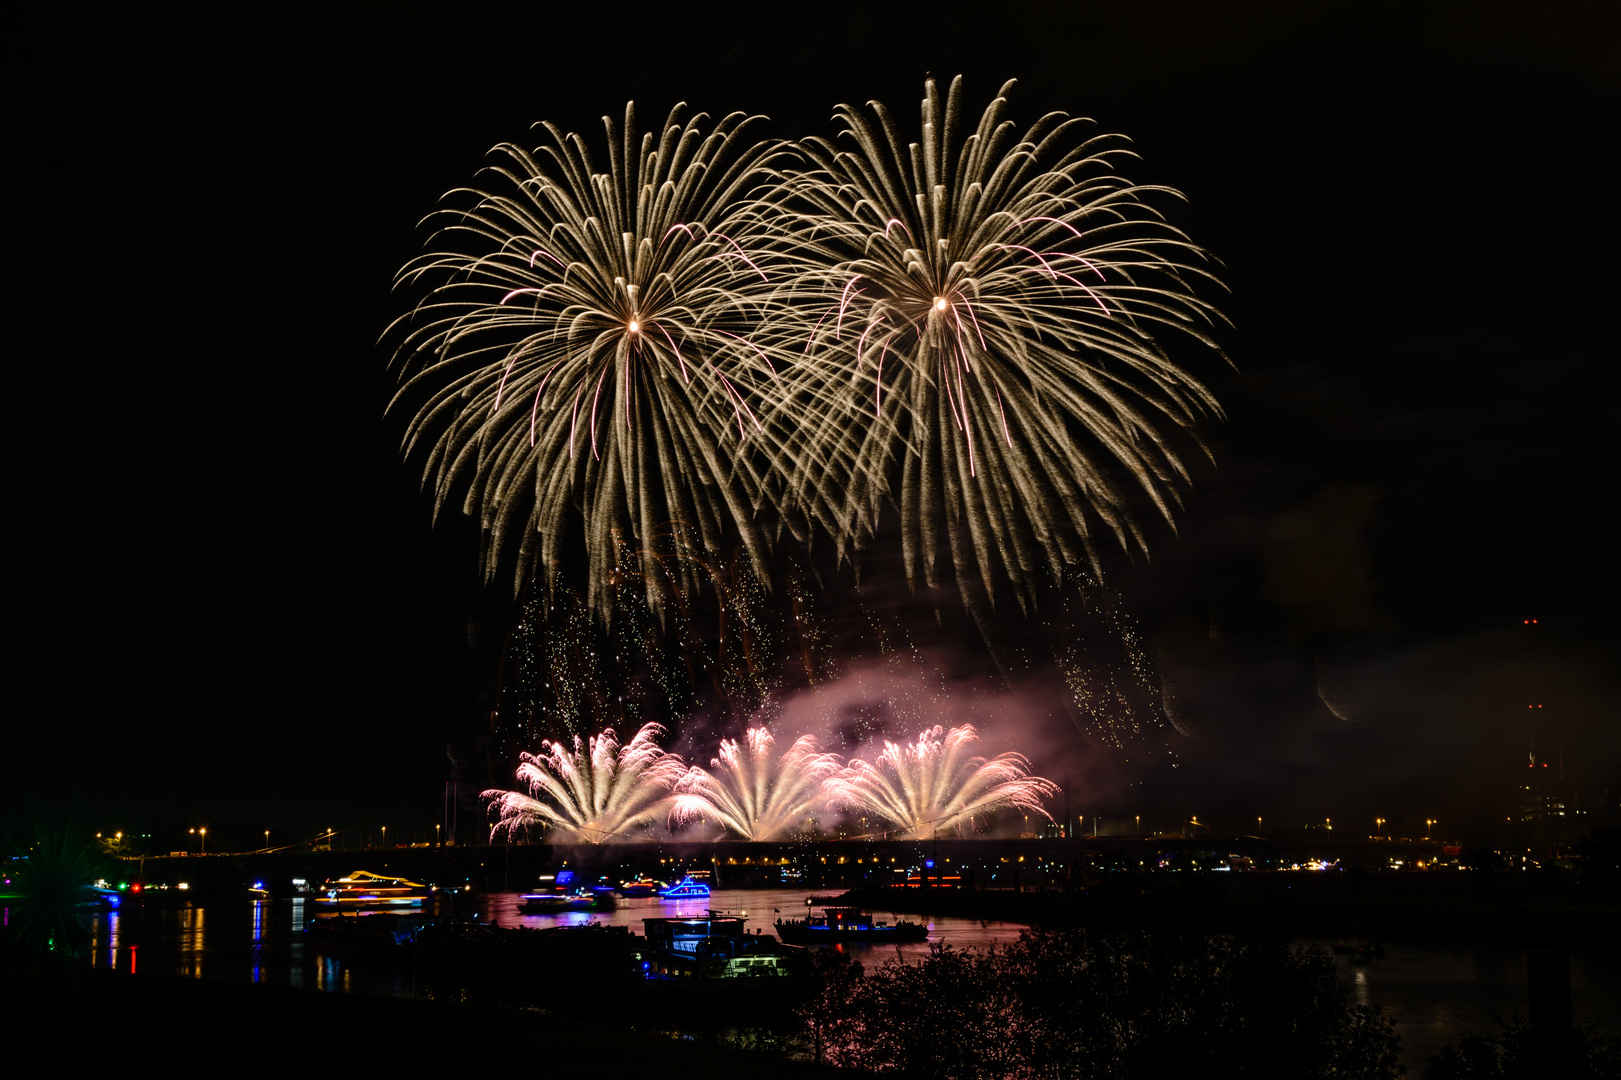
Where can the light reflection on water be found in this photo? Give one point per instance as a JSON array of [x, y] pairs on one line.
[[760, 908], [1435, 993]]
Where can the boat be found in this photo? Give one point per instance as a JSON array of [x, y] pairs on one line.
[[688, 888], [364, 889], [697, 968], [847, 925], [560, 903], [683, 934], [640, 887], [559, 893], [595, 962], [714, 945], [384, 929]]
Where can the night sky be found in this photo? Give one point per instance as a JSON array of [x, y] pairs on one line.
[[224, 600]]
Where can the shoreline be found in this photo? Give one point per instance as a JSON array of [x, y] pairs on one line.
[[217, 1023], [1312, 909]]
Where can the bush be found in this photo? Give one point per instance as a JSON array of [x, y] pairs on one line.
[[1513, 1052], [1068, 1003]]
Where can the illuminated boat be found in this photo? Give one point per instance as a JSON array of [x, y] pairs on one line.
[[714, 945], [364, 889], [545, 904], [688, 888], [640, 887], [698, 968], [682, 935], [847, 925], [558, 903], [559, 893]]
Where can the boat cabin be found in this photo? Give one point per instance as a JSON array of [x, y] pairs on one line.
[[683, 935]]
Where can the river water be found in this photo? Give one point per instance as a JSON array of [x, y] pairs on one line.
[[1435, 993]]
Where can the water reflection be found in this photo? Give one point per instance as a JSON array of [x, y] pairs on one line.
[[1435, 993], [760, 908]]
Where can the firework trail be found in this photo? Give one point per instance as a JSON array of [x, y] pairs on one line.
[[936, 785], [596, 793], [707, 656], [984, 313], [755, 793], [595, 342]]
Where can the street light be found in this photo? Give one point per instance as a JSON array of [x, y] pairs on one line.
[[385, 837], [202, 836], [1429, 823], [436, 829], [1378, 825], [1139, 826]]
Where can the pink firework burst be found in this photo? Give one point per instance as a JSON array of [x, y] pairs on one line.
[[938, 785], [753, 792], [598, 792]]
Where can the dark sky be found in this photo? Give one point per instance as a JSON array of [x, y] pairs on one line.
[[223, 597]]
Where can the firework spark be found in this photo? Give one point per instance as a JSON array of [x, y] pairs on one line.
[[984, 313], [596, 343], [598, 792], [936, 785], [753, 792]]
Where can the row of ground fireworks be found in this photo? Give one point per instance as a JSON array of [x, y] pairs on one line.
[[601, 791]]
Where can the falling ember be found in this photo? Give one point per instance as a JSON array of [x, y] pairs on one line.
[[599, 792], [936, 785], [754, 793]]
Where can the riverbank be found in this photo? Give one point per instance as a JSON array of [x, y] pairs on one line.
[[1301, 905], [97, 1018]]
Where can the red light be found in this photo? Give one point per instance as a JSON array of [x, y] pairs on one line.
[[135, 888]]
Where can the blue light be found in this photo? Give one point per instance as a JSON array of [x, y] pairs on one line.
[[684, 889], [929, 863], [565, 876]]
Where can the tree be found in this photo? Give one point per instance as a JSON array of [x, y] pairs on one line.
[[1513, 1052], [1069, 1003]]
